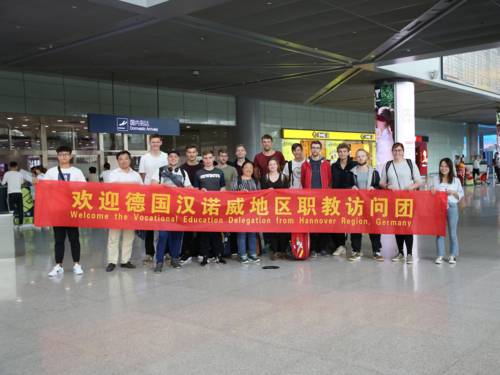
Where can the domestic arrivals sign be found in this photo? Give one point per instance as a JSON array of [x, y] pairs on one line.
[[158, 207], [132, 125]]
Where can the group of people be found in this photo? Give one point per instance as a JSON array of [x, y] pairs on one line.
[[268, 170]]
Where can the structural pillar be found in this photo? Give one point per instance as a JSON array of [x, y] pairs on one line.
[[472, 140], [248, 124]]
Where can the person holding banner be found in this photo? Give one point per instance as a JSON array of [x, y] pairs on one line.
[[316, 173], [65, 172], [210, 178], [447, 182], [293, 168], [170, 175], [246, 182], [364, 177], [149, 164], [275, 180], [122, 175], [191, 240], [401, 174], [341, 171]]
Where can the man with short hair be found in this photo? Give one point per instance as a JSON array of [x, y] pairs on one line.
[[316, 174], [261, 160], [14, 180], [341, 177], [105, 174], [210, 178], [230, 173], [65, 172], [230, 176], [122, 175], [293, 167], [241, 158], [174, 176], [190, 243], [149, 164]]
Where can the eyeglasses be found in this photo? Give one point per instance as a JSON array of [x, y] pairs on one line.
[[398, 150]]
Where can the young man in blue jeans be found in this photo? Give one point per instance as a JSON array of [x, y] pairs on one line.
[[170, 175]]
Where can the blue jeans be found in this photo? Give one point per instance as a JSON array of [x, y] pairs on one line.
[[242, 244], [174, 240], [452, 220]]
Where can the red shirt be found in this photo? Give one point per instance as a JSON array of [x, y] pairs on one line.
[[260, 161]]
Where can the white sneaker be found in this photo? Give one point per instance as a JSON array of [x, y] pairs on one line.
[[439, 260], [409, 259], [452, 259], [398, 258], [77, 269], [340, 250], [56, 271], [187, 261]]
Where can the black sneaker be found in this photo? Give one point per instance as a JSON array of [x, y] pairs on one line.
[[221, 260], [127, 265], [158, 267], [175, 263], [204, 262], [110, 267]]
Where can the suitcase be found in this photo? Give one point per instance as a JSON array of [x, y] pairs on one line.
[[300, 246]]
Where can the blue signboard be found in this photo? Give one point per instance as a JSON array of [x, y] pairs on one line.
[[132, 125]]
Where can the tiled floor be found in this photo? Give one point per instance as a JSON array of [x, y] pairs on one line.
[[323, 316]]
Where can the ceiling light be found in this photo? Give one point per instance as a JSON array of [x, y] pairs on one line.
[[53, 131], [59, 120], [10, 118], [82, 122], [46, 126], [188, 127], [24, 125]]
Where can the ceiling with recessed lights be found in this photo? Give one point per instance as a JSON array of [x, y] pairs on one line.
[[306, 51]]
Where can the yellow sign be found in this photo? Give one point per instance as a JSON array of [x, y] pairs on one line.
[[326, 135]]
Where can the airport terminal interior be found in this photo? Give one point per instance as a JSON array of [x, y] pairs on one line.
[[97, 77]]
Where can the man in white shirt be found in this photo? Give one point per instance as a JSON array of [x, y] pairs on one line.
[[174, 176], [148, 166], [65, 172], [14, 180], [123, 175], [293, 167]]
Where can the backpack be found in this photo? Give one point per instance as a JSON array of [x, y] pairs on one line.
[[290, 172], [410, 165], [183, 172], [300, 246]]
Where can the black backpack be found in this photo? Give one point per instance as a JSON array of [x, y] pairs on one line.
[[410, 165]]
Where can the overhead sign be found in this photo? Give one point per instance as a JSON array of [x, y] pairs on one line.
[[132, 125], [322, 134]]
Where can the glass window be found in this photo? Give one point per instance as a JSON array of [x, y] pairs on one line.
[[136, 142], [113, 141]]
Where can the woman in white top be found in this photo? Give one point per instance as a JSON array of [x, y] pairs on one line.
[[447, 182]]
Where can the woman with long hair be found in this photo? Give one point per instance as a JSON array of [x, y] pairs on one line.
[[447, 182]]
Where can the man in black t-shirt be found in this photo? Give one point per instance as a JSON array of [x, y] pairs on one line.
[[190, 243], [210, 178]]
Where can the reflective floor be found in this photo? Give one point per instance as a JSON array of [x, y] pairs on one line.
[[323, 316]]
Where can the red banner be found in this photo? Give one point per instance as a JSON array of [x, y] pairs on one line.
[[157, 207]]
